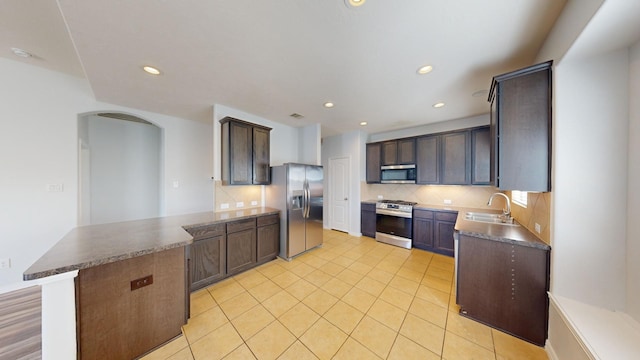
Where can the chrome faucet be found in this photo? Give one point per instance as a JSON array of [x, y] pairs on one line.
[[507, 210]]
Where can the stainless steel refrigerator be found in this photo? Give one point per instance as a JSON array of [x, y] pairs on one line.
[[296, 190]]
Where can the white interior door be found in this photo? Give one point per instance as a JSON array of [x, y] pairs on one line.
[[339, 192]]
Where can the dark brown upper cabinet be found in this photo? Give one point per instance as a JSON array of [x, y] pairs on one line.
[[245, 153], [399, 152], [481, 156], [460, 157], [521, 129], [428, 159], [374, 155], [456, 158]]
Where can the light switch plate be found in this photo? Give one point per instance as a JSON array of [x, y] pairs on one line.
[[380, 197], [537, 228], [254, 202], [239, 204], [55, 187], [5, 263], [448, 202], [224, 206]]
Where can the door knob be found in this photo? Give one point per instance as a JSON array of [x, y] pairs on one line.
[[345, 199]]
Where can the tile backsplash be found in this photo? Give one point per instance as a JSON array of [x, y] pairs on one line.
[[232, 195], [460, 196], [538, 211]]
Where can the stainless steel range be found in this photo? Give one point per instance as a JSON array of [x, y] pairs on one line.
[[394, 220]]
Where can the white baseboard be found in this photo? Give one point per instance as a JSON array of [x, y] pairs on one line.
[[551, 353]]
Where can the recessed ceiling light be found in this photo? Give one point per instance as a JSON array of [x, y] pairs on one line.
[[354, 3], [480, 93], [425, 69], [151, 70], [438, 105], [363, 123], [328, 104], [21, 53]]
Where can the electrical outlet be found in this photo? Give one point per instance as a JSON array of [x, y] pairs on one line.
[[224, 206], [239, 204], [176, 184], [537, 226], [448, 202], [254, 203], [5, 263], [380, 197], [55, 187]]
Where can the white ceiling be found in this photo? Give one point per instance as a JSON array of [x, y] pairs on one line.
[[273, 58]]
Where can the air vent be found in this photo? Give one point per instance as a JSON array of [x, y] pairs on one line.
[[296, 116], [125, 117]]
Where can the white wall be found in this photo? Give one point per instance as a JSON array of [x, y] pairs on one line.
[[443, 126], [124, 169], [310, 144], [349, 145], [39, 146], [574, 18], [633, 192], [590, 180]]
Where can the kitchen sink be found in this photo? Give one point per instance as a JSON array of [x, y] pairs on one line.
[[492, 218]]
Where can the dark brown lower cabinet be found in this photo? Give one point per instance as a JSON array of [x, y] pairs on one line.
[[423, 229], [368, 219], [445, 221], [268, 241], [128, 307], [241, 245], [433, 230], [224, 249], [208, 261], [505, 286]]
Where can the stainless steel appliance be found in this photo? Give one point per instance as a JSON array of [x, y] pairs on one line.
[[296, 190], [394, 222], [398, 174]]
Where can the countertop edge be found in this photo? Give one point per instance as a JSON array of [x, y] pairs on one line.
[[520, 235], [26, 276], [179, 223]]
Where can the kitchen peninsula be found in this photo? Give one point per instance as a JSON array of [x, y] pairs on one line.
[[132, 286]]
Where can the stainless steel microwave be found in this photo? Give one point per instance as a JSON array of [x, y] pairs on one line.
[[398, 174]]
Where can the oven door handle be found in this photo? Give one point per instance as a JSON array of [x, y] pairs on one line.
[[394, 213]]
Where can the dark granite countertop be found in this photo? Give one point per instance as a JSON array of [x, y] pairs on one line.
[[92, 245], [516, 235]]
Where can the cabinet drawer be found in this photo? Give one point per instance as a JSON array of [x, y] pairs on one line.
[[207, 231], [422, 214], [446, 216], [267, 220], [240, 225]]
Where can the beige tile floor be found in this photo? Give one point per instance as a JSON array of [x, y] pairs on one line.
[[353, 298]]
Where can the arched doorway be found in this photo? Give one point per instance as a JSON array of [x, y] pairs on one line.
[[119, 168]]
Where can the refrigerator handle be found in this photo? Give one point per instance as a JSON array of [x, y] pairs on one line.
[[304, 199], [307, 200]]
